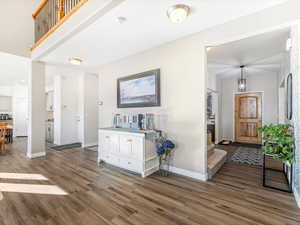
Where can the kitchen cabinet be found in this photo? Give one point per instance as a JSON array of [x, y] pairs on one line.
[[132, 151]]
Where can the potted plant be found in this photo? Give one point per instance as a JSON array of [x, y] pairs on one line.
[[278, 142]]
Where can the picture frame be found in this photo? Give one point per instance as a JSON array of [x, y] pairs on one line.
[[139, 90], [289, 97]]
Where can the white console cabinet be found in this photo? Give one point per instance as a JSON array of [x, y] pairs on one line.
[[128, 149]]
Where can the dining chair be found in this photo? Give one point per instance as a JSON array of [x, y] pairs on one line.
[[3, 124], [2, 139]]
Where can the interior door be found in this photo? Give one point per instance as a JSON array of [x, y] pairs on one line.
[[248, 117]]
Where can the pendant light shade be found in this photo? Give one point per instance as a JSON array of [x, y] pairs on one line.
[[242, 83]]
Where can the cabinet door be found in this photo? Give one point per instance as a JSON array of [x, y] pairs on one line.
[[137, 148], [131, 146], [109, 143], [125, 145]]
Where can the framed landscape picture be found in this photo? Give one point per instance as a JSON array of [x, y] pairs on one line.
[[139, 90]]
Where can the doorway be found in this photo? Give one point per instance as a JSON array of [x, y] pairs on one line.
[[242, 111], [248, 117]]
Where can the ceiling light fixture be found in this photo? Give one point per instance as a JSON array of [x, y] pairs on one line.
[[75, 61], [121, 20], [178, 13], [242, 83]]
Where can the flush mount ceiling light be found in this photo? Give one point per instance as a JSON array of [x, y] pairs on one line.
[[178, 13], [208, 49], [75, 61], [121, 20]]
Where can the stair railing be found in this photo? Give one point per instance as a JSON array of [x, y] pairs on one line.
[[50, 15]]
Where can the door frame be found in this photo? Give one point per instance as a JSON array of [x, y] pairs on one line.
[[262, 109]]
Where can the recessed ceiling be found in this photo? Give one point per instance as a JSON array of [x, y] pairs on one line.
[[261, 53], [10, 74], [147, 26]]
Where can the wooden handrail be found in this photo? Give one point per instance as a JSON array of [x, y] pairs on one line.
[[39, 8], [50, 15]]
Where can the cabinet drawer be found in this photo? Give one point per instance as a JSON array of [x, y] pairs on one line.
[[111, 159], [131, 164]]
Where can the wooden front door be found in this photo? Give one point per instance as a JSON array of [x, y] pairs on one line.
[[248, 117]]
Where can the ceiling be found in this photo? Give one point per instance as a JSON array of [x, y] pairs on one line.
[[17, 26], [260, 53], [11, 74], [147, 26]]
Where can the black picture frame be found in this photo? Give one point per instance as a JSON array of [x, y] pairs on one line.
[[289, 97], [157, 97]]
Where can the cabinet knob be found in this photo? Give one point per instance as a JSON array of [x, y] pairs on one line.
[[107, 137], [129, 140], [129, 163]]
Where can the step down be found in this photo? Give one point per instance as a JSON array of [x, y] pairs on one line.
[[216, 161], [210, 150]]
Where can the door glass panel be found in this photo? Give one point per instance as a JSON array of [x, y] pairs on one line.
[[248, 107]]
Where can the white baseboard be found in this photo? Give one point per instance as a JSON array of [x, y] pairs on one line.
[[89, 145], [36, 155], [297, 196], [188, 173]]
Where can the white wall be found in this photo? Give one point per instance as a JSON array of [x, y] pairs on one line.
[[284, 71], [266, 82], [6, 104], [183, 65], [17, 26], [211, 79], [37, 111], [18, 94], [6, 90], [180, 113]]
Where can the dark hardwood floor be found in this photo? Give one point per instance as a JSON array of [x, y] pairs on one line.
[[100, 194]]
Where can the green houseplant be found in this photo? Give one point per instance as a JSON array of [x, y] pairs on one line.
[[278, 141]]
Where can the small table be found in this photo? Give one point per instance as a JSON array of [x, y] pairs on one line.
[[284, 171]]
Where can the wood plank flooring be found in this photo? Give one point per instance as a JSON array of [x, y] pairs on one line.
[[100, 194]]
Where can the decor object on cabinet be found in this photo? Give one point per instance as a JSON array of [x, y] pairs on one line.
[[139, 90], [164, 148], [134, 121], [289, 95], [279, 145]]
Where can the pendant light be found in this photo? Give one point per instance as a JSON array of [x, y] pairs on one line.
[[242, 83]]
